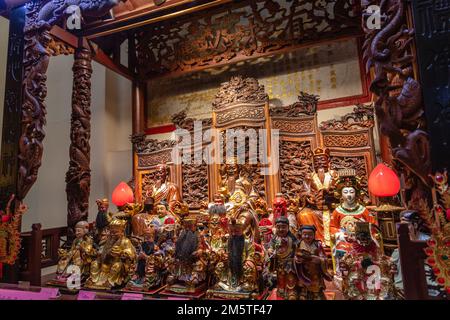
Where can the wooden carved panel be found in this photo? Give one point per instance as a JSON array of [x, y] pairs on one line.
[[195, 184], [297, 126], [355, 140], [295, 164], [154, 158], [239, 113], [239, 30], [147, 179]]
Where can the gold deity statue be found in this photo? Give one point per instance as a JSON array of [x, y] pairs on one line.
[[240, 199], [238, 271], [318, 191], [80, 254], [116, 260]]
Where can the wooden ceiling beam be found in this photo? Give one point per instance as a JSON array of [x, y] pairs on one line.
[[99, 55], [149, 16]]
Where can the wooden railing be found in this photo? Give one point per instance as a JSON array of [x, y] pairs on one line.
[[39, 249], [412, 261]]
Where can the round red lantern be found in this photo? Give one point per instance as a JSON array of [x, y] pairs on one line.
[[383, 182], [122, 194]]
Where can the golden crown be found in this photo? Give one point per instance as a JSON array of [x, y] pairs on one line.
[[321, 152], [120, 223]]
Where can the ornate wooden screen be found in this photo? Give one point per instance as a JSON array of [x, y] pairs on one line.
[[150, 153], [350, 140], [194, 177], [242, 104], [297, 125]]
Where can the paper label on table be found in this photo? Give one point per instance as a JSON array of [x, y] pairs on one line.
[[132, 296], [86, 295]]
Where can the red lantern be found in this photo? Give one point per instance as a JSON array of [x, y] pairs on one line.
[[383, 182], [122, 195]]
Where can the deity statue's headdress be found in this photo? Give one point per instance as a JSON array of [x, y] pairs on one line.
[[319, 152], [347, 178], [232, 160], [282, 220], [307, 227], [118, 223]]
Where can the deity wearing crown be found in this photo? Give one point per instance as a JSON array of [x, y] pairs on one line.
[[348, 213], [318, 195], [240, 198]]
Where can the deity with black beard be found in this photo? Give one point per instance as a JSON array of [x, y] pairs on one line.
[[238, 271], [188, 251]]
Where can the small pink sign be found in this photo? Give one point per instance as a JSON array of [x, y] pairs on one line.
[[50, 293], [86, 295], [132, 296], [6, 294]]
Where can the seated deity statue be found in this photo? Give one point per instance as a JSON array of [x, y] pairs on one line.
[[310, 266], [347, 214], [280, 255], [116, 260], [318, 195], [238, 270], [80, 254], [189, 265], [240, 199], [360, 263], [164, 190], [148, 272]]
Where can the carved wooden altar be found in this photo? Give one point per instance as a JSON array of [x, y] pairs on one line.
[[242, 103]]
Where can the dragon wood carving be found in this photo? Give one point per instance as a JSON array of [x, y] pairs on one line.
[[78, 177], [40, 17], [399, 106]]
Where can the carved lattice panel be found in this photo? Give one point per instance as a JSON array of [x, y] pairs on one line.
[[195, 184], [147, 183], [352, 162], [295, 164]]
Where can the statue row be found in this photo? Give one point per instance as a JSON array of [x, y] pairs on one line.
[[236, 247]]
